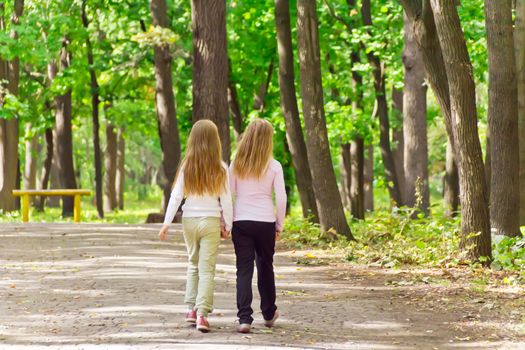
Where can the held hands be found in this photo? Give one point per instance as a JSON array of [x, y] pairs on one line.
[[224, 234], [163, 233]]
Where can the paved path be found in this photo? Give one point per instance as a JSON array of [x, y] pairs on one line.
[[89, 286]]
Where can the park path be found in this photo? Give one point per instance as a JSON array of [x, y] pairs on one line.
[[89, 286]]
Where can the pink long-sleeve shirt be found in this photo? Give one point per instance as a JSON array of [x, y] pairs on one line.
[[253, 198]]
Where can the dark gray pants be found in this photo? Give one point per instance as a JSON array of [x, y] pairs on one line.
[[254, 240]]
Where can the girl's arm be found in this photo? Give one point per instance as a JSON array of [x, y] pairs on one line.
[[280, 197], [177, 194], [226, 203]]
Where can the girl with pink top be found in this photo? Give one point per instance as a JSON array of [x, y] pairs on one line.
[[255, 178]]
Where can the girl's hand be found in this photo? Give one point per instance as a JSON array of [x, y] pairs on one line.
[[163, 233], [224, 234], [277, 235]]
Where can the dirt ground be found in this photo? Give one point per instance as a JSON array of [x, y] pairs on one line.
[[85, 286]]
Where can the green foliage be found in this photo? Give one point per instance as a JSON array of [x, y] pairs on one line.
[[509, 254]]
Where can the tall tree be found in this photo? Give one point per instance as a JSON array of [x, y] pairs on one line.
[[519, 46], [475, 225], [165, 104], [503, 119], [9, 72], [121, 169], [331, 212], [95, 102], [210, 67], [63, 135], [414, 123], [378, 71], [369, 178], [398, 152], [451, 184], [294, 131], [31, 150], [110, 190]]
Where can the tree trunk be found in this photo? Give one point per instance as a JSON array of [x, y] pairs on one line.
[[165, 105], [415, 124], [378, 72], [451, 184], [503, 119], [235, 108], [9, 71], [110, 164], [399, 142], [473, 187], [64, 139], [422, 17], [258, 102], [30, 161], [357, 185], [210, 67], [331, 212], [369, 178], [519, 45], [294, 131], [95, 102], [47, 166], [346, 175], [121, 169]]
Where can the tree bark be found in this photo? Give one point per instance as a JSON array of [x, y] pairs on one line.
[[47, 166], [258, 101], [165, 105], [357, 185], [331, 212], [451, 184], [398, 152], [30, 160], [63, 137], [210, 67], [519, 46], [294, 131], [235, 108], [95, 102], [378, 72], [503, 119], [415, 124], [369, 178], [475, 223], [9, 71], [110, 164], [424, 26], [346, 174], [121, 169]]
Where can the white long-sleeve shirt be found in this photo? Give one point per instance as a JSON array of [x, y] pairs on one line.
[[201, 205], [254, 197]]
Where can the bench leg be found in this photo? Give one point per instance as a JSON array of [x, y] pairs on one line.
[[25, 208], [76, 209]]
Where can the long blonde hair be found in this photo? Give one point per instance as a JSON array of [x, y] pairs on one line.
[[202, 164], [254, 151]]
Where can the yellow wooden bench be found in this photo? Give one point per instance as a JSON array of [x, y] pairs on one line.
[[25, 194]]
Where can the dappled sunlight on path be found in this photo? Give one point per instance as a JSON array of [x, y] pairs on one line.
[[117, 287]]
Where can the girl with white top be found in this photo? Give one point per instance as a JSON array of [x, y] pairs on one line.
[[255, 178], [203, 181]]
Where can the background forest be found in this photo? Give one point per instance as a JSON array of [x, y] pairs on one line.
[[382, 111]]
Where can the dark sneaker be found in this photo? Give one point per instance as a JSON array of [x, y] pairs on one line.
[[270, 323], [203, 325], [244, 328], [191, 316]]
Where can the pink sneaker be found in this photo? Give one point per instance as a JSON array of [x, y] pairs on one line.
[[191, 316], [203, 325], [270, 323]]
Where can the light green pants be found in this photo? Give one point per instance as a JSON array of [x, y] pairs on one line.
[[202, 236]]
